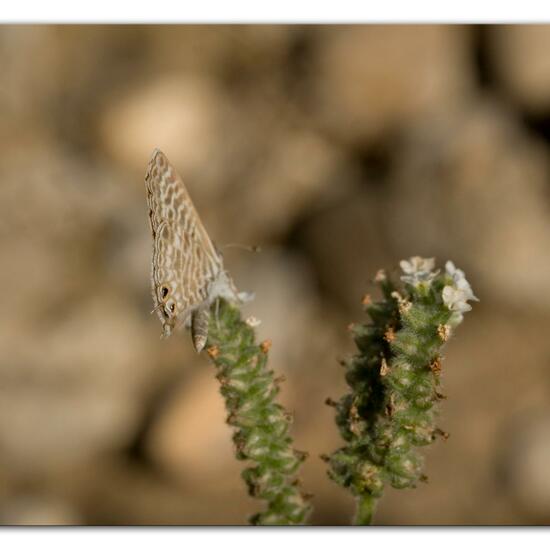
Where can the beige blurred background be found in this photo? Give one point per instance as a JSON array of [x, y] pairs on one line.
[[339, 150]]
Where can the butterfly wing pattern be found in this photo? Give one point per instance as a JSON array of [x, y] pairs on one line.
[[187, 272]]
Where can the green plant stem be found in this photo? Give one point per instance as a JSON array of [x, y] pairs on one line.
[[364, 510], [261, 425]]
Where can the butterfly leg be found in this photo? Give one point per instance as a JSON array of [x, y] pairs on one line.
[[199, 327], [217, 313]]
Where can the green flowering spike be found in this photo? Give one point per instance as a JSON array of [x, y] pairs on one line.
[[394, 379], [261, 425]]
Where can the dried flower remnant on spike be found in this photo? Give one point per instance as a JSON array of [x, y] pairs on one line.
[[444, 435], [404, 304], [213, 351], [435, 366], [265, 346], [444, 332], [366, 300]]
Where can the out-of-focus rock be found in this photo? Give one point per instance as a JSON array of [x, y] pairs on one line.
[[56, 216], [38, 510], [227, 50], [347, 243], [191, 440], [262, 165], [74, 362], [118, 491], [26, 88], [285, 302], [182, 115], [372, 80], [522, 64], [524, 458], [471, 187], [297, 173], [77, 391]]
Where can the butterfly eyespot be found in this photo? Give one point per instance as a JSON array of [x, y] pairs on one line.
[[164, 292], [172, 308]]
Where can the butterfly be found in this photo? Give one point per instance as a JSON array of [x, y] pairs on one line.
[[187, 271]]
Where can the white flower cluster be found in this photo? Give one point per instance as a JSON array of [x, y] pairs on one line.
[[456, 296], [418, 270], [252, 321]]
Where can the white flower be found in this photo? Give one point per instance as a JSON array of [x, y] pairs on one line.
[[418, 270], [456, 299], [252, 321], [456, 295], [244, 297], [460, 281], [416, 263], [453, 271]]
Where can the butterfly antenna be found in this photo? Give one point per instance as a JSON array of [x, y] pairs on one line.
[[156, 309], [251, 248]]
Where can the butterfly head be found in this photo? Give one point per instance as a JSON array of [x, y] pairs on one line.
[[168, 307]]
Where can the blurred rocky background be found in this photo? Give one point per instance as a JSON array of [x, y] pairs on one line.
[[339, 150]]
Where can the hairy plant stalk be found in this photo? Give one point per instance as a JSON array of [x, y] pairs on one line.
[[394, 381], [261, 425]]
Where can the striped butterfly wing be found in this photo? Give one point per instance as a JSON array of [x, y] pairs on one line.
[[185, 262]]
